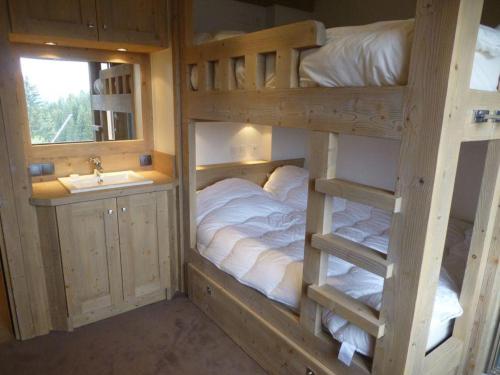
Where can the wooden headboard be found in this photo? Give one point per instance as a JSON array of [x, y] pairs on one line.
[[255, 171]]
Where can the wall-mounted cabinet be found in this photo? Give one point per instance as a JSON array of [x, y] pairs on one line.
[[91, 23], [107, 256]]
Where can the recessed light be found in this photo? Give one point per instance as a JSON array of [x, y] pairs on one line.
[[122, 49], [51, 43]]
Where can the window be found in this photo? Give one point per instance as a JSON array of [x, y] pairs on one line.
[[80, 101]]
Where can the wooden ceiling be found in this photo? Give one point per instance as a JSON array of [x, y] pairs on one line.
[[307, 5]]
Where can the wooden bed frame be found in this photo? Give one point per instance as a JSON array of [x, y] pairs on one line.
[[432, 116]]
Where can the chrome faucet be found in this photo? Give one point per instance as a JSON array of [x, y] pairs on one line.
[[96, 164]]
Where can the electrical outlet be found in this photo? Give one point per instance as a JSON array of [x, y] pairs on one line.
[[145, 160]]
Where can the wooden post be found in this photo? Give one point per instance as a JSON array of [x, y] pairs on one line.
[[440, 70], [322, 164]]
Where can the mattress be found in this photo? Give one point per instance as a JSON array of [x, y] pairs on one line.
[[257, 236], [370, 55]]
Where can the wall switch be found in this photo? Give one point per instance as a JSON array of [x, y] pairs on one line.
[[145, 160], [41, 169]]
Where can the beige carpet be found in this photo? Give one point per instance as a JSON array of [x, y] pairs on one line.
[[165, 338]]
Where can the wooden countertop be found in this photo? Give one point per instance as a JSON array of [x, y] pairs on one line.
[[53, 193]]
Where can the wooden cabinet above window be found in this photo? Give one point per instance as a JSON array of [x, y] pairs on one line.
[[139, 26]]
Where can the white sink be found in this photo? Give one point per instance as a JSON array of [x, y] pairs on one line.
[[110, 180]]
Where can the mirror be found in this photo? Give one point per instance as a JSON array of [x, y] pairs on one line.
[[81, 101]]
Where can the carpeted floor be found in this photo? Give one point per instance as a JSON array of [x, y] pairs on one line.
[[165, 338]]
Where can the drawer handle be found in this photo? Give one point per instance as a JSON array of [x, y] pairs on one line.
[[110, 212], [124, 209], [91, 25]]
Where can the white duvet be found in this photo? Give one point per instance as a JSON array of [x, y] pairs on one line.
[[377, 54], [257, 236]]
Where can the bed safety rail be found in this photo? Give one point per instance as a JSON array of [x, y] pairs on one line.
[[368, 111], [284, 41]]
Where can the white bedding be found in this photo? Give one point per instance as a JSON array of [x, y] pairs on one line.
[[377, 54], [257, 236]]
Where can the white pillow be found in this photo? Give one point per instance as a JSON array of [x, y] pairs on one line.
[[289, 185]]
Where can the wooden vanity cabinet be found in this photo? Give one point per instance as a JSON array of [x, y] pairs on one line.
[[114, 255]]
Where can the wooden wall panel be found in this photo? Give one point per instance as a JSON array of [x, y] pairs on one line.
[[19, 221]]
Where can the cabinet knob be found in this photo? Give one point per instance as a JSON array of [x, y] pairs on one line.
[[91, 25], [124, 209], [110, 212], [104, 27]]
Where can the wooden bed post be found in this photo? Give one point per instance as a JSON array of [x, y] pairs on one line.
[[192, 183], [322, 164], [440, 70]]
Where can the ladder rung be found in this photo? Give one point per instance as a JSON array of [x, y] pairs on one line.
[[352, 252], [349, 308], [380, 198]]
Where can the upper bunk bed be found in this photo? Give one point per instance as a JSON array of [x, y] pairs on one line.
[[355, 83]]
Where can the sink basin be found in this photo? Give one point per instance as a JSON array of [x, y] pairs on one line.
[[110, 180]]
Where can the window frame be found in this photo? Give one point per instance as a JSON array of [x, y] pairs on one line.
[[78, 149]]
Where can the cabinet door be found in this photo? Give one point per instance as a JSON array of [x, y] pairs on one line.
[[58, 18], [144, 246], [88, 234], [132, 21]]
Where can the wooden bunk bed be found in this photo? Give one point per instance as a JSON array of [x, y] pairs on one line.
[[432, 116]]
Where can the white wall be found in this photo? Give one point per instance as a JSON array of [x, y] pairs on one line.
[[224, 143], [289, 143], [163, 101], [369, 161]]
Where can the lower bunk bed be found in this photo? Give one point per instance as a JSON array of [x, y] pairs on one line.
[[246, 273]]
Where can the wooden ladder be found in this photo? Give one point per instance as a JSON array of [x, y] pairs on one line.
[[320, 242]]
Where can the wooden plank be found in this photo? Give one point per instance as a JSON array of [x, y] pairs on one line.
[[379, 198], [444, 359], [305, 34], [347, 307], [359, 255], [255, 171], [257, 336], [440, 70], [24, 257], [49, 242], [320, 345], [367, 111], [113, 102], [482, 238], [323, 149], [287, 61]]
